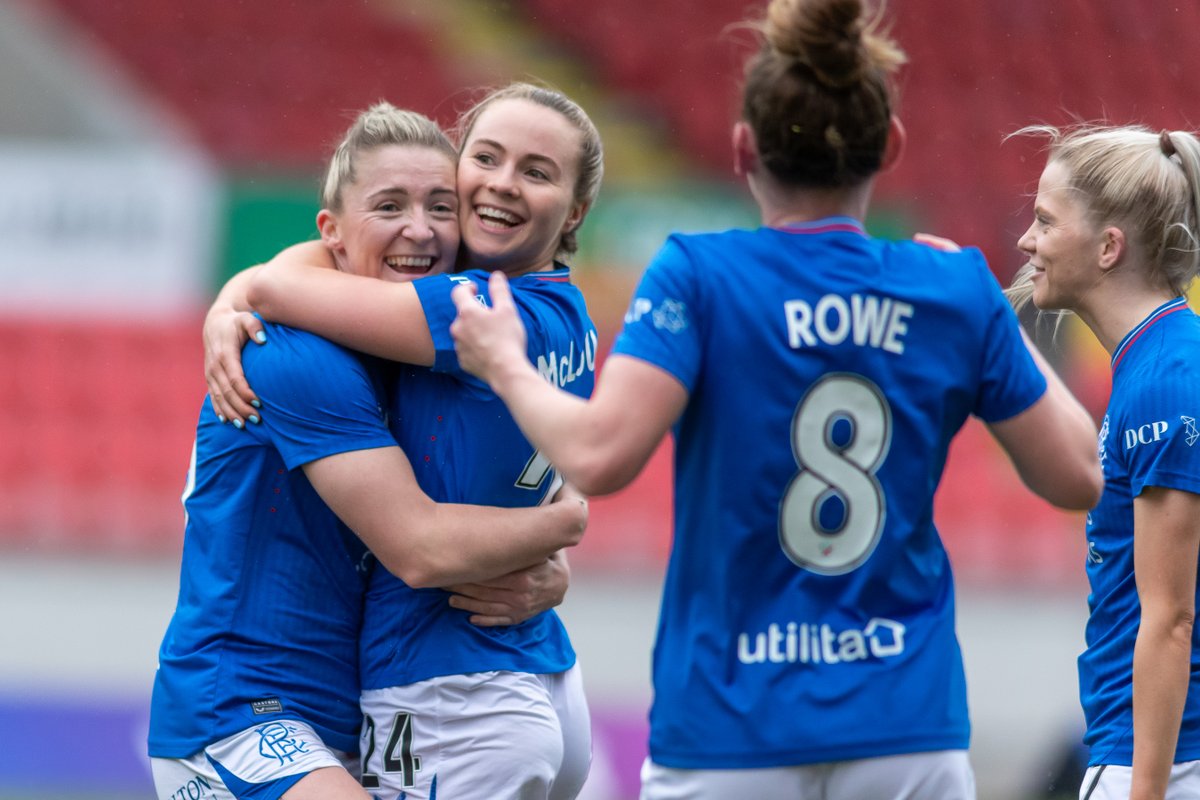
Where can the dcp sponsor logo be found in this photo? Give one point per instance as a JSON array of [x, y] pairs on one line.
[[1146, 434]]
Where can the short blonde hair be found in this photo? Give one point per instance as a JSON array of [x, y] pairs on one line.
[[379, 126]]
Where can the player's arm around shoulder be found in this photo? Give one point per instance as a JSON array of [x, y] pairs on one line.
[[366, 314], [1052, 444]]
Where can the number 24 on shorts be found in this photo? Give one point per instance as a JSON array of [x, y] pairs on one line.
[[397, 754]]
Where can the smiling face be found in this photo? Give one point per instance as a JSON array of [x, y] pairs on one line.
[[516, 182], [399, 218], [1063, 245]]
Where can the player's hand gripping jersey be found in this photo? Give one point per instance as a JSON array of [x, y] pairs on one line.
[[808, 611], [466, 448]]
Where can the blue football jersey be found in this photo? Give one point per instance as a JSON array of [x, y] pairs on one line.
[[466, 448], [1148, 437], [272, 583], [808, 609]]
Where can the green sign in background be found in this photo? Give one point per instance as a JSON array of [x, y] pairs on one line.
[[263, 216]]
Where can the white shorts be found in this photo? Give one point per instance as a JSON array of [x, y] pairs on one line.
[[485, 735], [261, 763], [942, 775], [1110, 782]]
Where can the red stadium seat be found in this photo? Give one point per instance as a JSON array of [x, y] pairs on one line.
[[269, 81], [97, 447]]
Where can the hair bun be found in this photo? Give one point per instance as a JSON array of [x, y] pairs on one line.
[[835, 39], [824, 35]]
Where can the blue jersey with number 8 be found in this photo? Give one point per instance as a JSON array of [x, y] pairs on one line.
[[808, 610]]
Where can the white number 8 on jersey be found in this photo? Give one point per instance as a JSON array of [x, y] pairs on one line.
[[831, 469]]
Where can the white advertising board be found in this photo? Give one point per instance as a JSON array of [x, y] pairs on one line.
[[105, 231]]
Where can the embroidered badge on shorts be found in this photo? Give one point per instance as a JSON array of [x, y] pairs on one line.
[[277, 742]]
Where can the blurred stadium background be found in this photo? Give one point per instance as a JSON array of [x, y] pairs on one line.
[[151, 148]]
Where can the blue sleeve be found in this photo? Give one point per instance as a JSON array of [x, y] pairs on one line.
[[547, 310], [318, 399], [440, 311], [662, 323], [1010, 381], [1164, 417]]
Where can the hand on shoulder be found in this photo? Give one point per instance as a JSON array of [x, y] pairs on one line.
[[937, 242]]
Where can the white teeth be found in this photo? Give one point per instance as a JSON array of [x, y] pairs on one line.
[[498, 214], [409, 262]]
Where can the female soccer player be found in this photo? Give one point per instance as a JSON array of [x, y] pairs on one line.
[[257, 691], [813, 377], [1116, 239], [453, 709]]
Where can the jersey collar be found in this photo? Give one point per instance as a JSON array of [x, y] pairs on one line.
[[1166, 309], [560, 274], [826, 225]]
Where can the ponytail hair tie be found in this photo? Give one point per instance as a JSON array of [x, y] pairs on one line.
[[1164, 141]]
